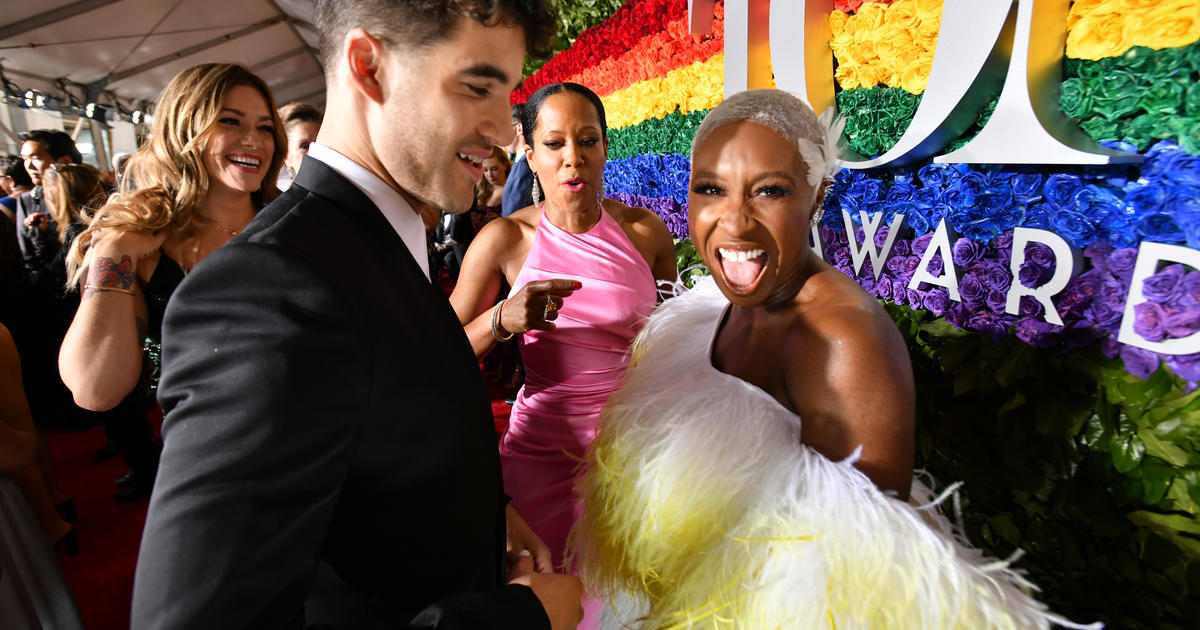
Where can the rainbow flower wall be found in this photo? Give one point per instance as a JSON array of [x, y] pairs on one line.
[[1131, 80]]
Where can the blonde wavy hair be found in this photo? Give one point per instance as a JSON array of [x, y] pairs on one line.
[[72, 193], [483, 188], [165, 180]]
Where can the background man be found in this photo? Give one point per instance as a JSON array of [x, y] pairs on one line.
[[518, 189], [301, 122], [40, 149], [329, 456]]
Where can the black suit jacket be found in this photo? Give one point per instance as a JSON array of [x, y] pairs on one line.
[[329, 455]]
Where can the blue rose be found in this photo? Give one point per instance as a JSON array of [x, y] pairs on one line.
[[966, 251], [900, 191], [1164, 286], [1074, 227], [1038, 216], [994, 201], [980, 230], [913, 216], [1160, 228], [933, 174], [1060, 189], [867, 191], [965, 192], [1009, 217], [1027, 187], [1148, 321], [1175, 164], [1148, 199]]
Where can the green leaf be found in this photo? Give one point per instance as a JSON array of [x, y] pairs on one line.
[[1127, 449], [1158, 385], [1172, 527], [1161, 449], [1155, 481], [942, 328]]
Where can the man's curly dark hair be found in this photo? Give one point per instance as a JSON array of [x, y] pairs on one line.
[[420, 23]]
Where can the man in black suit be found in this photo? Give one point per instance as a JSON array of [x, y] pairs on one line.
[[329, 457]]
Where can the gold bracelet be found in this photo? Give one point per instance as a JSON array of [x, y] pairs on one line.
[[496, 322], [103, 289]]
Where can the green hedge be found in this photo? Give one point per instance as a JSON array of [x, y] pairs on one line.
[[1092, 473], [574, 17]]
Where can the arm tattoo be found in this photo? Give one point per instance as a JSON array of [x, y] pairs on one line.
[[106, 272]]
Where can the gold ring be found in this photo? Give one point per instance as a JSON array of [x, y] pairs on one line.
[[551, 307]]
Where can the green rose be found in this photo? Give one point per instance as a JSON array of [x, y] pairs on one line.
[[1137, 59], [1074, 99], [1162, 97], [1144, 130], [1193, 56], [1102, 129], [1116, 94], [1187, 132], [1191, 100]]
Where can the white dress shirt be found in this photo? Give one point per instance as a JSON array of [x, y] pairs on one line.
[[394, 207]]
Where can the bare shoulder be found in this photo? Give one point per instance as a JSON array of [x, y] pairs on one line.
[[639, 219], [510, 230]]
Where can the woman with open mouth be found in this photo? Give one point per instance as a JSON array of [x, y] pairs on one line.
[[756, 469], [211, 163], [583, 270]]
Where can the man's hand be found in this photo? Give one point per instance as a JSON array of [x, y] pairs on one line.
[[561, 595], [522, 539], [38, 220]]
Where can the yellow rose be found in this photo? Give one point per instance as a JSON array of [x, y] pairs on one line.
[[1084, 8], [927, 36], [1171, 25], [893, 42], [929, 10], [847, 76], [903, 14], [837, 22], [1097, 36], [863, 53], [916, 76], [870, 16]]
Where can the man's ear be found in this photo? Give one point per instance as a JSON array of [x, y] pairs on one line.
[[364, 55], [63, 159]]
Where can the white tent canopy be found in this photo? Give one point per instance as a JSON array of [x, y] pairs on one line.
[[121, 53]]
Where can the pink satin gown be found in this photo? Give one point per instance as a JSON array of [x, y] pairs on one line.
[[570, 372]]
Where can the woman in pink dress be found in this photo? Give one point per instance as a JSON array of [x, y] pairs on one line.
[[584, 271]]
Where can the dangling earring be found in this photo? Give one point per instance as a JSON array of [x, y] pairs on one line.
[[536, 192]]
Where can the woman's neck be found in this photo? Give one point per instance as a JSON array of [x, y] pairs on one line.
[[228, 209], [575, 221]]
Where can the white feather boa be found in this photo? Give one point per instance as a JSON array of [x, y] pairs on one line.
[[704, 510]]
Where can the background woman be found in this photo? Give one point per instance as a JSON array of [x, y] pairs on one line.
[[583, 270], [704, 498], [211, 163], [489, 191]]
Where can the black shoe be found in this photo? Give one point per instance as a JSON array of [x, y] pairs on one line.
[[126, 480], [135, 491], [106, 452]]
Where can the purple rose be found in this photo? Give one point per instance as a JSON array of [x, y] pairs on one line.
[[1165, 285], [910, 265], [988, 325], [867, 282], [1110, 347], [936, 301], [996, 301], [841, 257], [1036, 333], [913, 297], [1098, 252], [1149, 321], [1121, 262], [920, 244], [1190, 297], [1138, 362], [1033, 275], [994, 276], [967, 251], [901, 247], [1181, 323], [883, 288], [1079, 293], [936, 268], [1108, 305], [970, 289], [881, 235], [895, 266], [1186, 366], [1041, 254], [898, 293], [959, 314], [1002, 246], [1030, 307]]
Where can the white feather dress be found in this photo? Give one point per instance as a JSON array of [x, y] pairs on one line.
[[704, 510]]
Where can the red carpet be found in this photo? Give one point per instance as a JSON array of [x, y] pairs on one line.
[[101, 576]]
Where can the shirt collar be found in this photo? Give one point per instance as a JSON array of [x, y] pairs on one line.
[[395, 208]]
